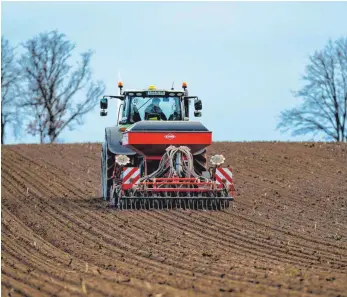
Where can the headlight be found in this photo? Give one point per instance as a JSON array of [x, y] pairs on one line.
[[122, 160], [217, 159]]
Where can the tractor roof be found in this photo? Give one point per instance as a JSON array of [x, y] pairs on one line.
[[155, 92]]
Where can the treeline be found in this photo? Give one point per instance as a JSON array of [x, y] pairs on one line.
[[323, 106], [39, 86]]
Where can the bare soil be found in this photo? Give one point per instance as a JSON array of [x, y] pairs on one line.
[[285, 234]]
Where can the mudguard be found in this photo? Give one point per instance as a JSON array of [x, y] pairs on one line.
[[200, 152], [113, 138]]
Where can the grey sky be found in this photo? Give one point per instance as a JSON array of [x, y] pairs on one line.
[[241, 58]]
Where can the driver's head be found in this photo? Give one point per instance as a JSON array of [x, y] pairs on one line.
[[156, 101]]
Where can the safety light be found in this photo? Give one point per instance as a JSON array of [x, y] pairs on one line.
[[184, 85], [120, 84], [217, 159], [122, 160], [152, 87]]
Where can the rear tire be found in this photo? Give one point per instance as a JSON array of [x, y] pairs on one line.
[[107, 168], [200, 162]]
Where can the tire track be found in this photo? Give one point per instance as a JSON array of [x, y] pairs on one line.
[[237, 240]]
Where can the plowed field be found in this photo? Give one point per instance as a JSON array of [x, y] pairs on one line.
[[285, 235]]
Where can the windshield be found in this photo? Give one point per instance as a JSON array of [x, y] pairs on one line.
[[155, 108]]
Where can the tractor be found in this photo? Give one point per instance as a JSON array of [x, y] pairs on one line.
[[155, 157]]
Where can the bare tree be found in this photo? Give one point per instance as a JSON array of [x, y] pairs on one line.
[[51, 85], [324, 106], [9, 86]]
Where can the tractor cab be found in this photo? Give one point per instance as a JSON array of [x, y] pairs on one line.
[[152, 104]]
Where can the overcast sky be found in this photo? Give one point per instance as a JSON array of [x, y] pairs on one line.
[[241, 58]]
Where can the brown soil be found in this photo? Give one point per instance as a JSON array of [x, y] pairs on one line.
[[285, 235]]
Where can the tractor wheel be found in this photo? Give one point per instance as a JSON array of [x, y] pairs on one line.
[[200, 162], [107, 168]]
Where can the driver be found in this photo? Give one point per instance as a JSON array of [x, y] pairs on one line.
[[155, 108]]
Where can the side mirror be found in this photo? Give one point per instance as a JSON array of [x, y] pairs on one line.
[[197, 114], [103, 113], [103, 103], [198, 104]]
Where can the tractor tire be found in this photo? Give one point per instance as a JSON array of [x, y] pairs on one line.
[[107, 168], [200, 162]]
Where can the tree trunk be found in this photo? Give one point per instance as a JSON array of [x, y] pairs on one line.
[[2, 130], [41, 137]]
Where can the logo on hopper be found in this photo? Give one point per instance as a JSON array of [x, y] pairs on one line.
[[170, 136]]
